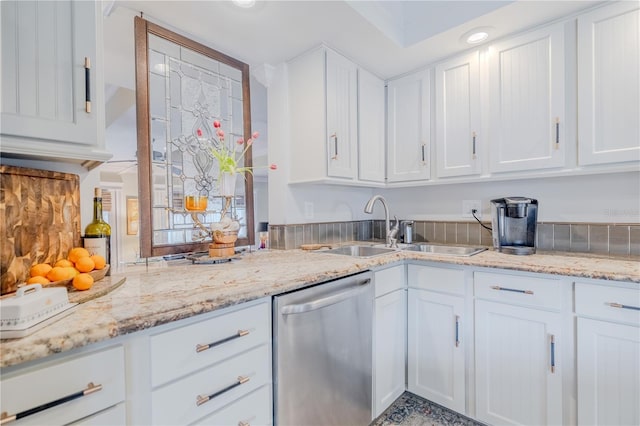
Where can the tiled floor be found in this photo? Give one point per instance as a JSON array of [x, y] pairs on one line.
[[411, 410]]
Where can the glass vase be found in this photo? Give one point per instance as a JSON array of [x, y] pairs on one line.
[[227, 184]]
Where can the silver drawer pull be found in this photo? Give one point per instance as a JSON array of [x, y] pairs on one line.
[[201, 347], [91, 388], [201, 399], [515, 290], [619, 305], [457, 330]]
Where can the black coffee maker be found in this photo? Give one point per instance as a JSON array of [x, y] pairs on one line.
[[514, 223]]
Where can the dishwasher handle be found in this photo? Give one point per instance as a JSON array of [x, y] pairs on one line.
[[323, 302]]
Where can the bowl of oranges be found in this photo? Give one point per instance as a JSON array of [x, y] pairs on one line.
[[78, 271]]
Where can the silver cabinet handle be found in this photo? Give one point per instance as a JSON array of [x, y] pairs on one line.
[[515, 290], [423, 154], [87, 84], [323, 302], [457, 330], [201, 399], [204, 347], [557, 132], [619, 305], [335, 145], [552, 345], [7, 418], [473, 146]]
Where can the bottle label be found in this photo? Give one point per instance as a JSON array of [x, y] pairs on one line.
[[98, 245]]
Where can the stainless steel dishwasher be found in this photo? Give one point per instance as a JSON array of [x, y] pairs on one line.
[[323, 355]]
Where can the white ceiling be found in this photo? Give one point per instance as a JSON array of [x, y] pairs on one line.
[[388, 38]]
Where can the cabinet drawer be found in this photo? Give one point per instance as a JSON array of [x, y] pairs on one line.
[[388, 280], [438, 279], [608, 303], [253, 409], [528, 291], [111, 416], [180, 351], [177, 403], [56, 380]]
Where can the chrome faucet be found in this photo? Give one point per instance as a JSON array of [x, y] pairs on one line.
[[390, 233]]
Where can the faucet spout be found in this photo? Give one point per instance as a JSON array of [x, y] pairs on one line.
[[368, 208]]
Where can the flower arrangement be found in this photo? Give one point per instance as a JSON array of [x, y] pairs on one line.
[[229, 158]]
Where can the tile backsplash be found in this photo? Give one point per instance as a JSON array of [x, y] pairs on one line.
[[598, 238]]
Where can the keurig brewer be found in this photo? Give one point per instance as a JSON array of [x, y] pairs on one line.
[[514, 221]]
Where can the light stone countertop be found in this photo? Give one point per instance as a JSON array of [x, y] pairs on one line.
[[161, 295]]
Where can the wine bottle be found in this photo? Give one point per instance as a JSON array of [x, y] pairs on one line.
[[97, 234]]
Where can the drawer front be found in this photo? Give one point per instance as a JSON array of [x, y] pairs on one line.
[[180, 351], [608, 303], [528, 291], [51, 382], [388, 280], [110, 417], [253, 409], [177, 403], [438, 279]]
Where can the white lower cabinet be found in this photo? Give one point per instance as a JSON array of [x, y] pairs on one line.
[[205, 368], [608, 350], [436, 349], [517, 352], [116, 415], [389, 340], [74, 388]]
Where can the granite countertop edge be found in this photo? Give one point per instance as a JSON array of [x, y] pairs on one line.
[[162, 295]]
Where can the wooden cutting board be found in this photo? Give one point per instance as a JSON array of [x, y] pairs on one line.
[[39, 220]]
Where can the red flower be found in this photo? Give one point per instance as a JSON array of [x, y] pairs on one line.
[[239, 141], [273, 167], [199, 132], [255, 135], [216, 124], [220, 133]]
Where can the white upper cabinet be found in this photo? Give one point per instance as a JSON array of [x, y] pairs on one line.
[[336, 115], [457, 116], [527, 101], [608, 84], [48, 77], [408, 119], [371, 128], [342, 104]]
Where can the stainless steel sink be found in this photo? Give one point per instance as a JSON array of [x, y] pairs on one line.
[[449, 250], [359, 251]]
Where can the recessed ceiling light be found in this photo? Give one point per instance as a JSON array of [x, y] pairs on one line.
[[245, 4], [476, 35]]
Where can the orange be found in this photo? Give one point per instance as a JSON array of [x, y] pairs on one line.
[[71, 271], [64, 263], [85, 264], [83, 282], [76, 253], [99, 261], [37, 279], [58, 273], [40, 270]]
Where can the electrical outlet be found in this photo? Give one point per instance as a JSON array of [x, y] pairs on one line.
[[469, 205], [308, 210]]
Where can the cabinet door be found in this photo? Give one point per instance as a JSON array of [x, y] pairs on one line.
[[342, 93], [457, 116], [608, 84], [389, 349], [43, 71], [518, 377], [526, 83], [608, 373], [408, 128], [436, 367], [371, 128]]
